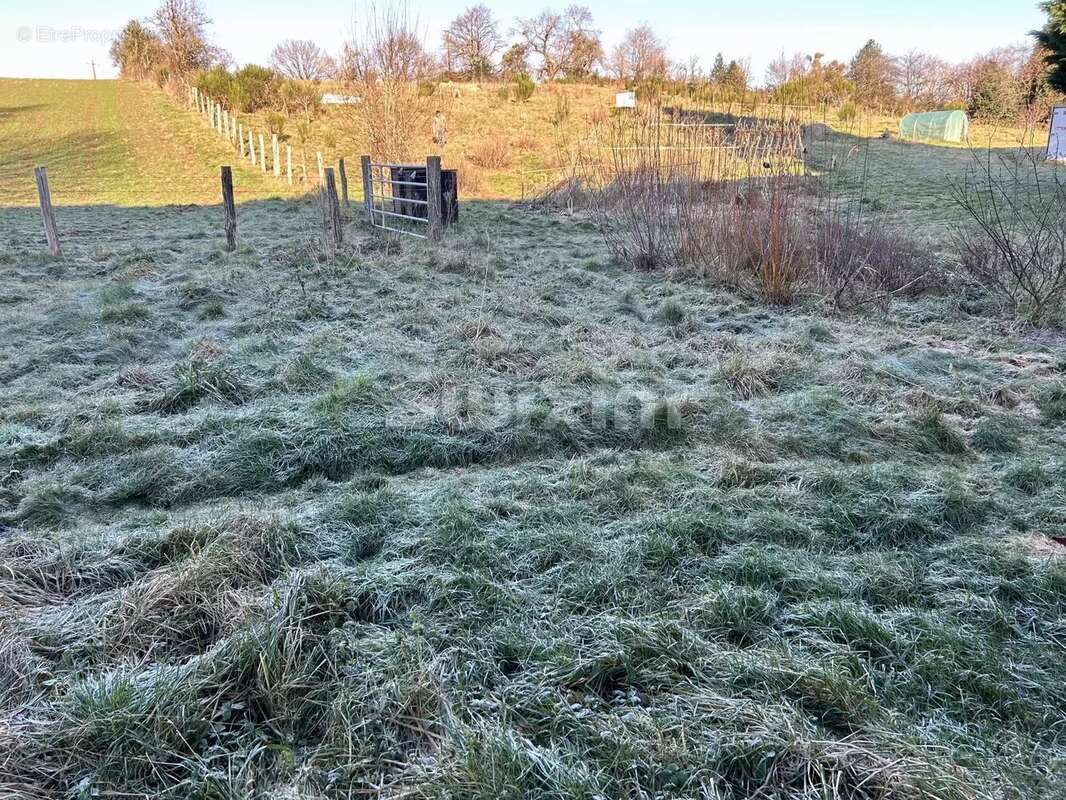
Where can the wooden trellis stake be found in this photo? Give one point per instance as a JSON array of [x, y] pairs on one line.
[[229, 209], [345, 205], [51, 232]]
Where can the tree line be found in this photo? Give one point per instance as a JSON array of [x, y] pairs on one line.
[[1003, 85], [1000, 86]]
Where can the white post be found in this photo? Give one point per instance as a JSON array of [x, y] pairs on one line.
[[288, 162], [251, 148], [276, 152], [262, 153], [321, 167]]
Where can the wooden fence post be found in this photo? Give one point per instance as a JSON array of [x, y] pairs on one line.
[[345, 205], [288, 162], [433, 197], [251, 147], [218, 117], [262, 153], [276, 153], [368, 188], [51, 232], [333, 224], [321, 167], [229, 209], [240, 137]]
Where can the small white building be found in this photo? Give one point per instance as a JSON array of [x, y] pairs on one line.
[[625, 100]]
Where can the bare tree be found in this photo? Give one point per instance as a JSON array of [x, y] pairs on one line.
[[582, 49], [786, 68], [182, 28], [384, 63], [640, 56], [387, 46], [472, 40], [566, 43], [303, 60], [921, 78]]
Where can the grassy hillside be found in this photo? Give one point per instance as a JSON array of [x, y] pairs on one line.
[[111, 142]]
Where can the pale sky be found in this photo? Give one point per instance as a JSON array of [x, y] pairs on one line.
[[61, 38]]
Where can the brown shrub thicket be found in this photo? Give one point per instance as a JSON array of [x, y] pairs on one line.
[[491, 152], [741, 204]]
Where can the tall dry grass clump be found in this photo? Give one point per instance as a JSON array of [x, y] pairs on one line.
[[383, 65]]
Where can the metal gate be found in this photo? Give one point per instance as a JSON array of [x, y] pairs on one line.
[[404, 198]]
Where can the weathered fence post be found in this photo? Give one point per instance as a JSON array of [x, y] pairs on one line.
[[333, 224], [262, 153], [288, 162], [368, 188], [51, 232], [345, 205], [240, 138], [251, 147], [218, 117], [433, 197], [229, 209], [321, 167], [276, 151]]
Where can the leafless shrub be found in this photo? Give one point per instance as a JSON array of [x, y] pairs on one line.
[[471, 181], [1013, 238], [862, 261], [648, 186], [491, 152]]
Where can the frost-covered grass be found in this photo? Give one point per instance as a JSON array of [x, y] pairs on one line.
[[508, 520]]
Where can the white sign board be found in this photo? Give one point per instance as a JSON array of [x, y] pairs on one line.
[[1056, 141], [339, 99], [629, 100]]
